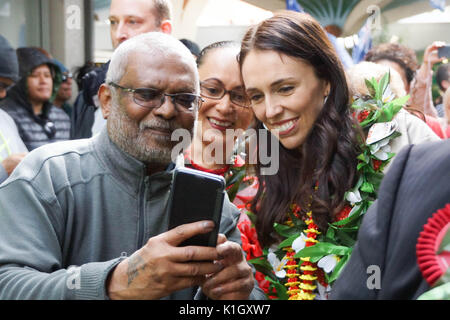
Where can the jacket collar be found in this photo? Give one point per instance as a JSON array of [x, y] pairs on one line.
[[129, 171]]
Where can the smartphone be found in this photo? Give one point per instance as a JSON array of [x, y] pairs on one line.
[[444, 52], [194, 196]]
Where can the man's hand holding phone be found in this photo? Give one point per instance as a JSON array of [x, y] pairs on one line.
[[161, 267], [235, 281]]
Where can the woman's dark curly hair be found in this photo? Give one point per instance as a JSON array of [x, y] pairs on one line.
[[398, 53], [327, 158]]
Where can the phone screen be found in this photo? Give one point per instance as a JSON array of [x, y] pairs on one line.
[[444, 52], [196, 196]]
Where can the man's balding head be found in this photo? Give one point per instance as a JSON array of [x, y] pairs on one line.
[[142, 124], [152, 43]]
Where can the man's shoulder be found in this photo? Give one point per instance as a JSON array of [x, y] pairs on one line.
[[58, 159], [431, 153], [426, 165]]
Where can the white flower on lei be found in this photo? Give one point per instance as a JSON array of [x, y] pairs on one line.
[[388, 95], [299, 243], [353, 196], [381, 149], [276, 264], [328, 263]]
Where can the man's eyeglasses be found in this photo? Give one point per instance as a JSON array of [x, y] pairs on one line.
[[154, 98], [214, 89]]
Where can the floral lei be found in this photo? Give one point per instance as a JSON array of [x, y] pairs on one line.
[[308, 261]]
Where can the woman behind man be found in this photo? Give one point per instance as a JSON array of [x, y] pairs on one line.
[[225, 108], [298, 91]]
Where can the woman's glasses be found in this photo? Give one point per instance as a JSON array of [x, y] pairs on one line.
[[214, 89]]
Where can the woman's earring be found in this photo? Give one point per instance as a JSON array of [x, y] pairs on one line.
[[265, 127], [325, 99]]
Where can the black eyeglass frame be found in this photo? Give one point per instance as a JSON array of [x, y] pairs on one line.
[[224, 92], [163, 95]]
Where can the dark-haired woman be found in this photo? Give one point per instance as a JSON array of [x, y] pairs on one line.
[[225, 108], [298, 91]]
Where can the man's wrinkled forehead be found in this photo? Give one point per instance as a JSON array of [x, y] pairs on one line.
[[164, 64], [131, 8]]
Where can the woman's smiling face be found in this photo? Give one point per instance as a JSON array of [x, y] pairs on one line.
[[220, 70], [285, 94]]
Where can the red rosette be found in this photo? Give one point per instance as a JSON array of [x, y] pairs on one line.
[[431, 264]]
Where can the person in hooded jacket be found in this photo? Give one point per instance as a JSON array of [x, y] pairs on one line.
[[12, 149], [29, 101]]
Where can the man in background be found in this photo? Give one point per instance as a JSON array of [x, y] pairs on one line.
[[64, 92], [128, 18]]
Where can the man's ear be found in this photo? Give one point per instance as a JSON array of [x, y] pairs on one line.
[[166, 26], [105, 99]]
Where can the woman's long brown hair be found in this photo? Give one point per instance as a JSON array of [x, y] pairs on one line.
[[328, 157]]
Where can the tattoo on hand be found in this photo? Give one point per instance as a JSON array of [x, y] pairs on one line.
[[135, 263]]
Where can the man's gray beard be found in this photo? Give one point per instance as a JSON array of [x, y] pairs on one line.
[[131, 138]]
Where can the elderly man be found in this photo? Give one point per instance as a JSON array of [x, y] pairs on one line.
[[127, 18], [88, 219]]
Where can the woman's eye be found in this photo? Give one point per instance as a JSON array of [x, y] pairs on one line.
[[256, 98], [286, 89], [212, 90]]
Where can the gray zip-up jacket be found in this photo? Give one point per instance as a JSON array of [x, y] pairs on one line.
[[82, 203]]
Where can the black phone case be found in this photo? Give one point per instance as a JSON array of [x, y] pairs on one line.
[[196, 196], [444, 52]]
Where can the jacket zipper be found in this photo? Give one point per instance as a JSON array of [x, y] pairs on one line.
[[142, 200]]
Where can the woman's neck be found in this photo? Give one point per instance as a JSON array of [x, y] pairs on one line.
[[37, 107]]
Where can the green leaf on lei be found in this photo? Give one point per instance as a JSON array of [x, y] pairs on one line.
[[284, 230], [339, 266], [288, 242], [382, 85], [321, 249], [280, 288]]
